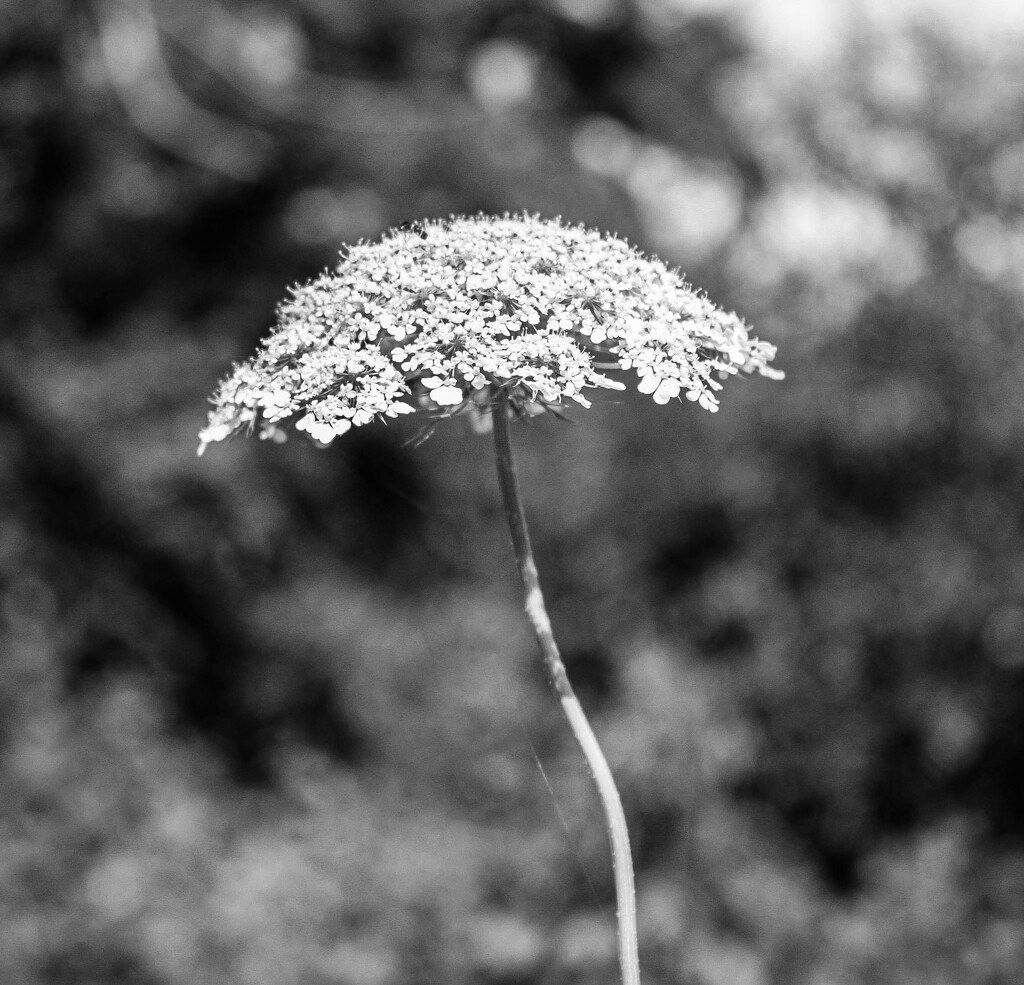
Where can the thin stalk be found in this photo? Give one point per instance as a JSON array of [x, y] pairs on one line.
[[536, 611]]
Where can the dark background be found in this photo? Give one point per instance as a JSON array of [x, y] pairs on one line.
[[274, 715]]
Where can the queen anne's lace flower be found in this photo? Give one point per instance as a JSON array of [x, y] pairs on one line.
[[442, 311]]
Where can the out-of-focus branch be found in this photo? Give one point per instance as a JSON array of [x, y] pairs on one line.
[[358, 106], [129, 45], [272, 77]]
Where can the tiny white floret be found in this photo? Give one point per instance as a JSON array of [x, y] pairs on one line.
[[447, 395], [667, 390]]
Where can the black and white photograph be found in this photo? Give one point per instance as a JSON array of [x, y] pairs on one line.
[[511, 492]]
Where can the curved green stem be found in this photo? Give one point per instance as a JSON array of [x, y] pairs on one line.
[[537, 613]]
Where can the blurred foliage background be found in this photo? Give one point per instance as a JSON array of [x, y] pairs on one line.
[[275, 716]]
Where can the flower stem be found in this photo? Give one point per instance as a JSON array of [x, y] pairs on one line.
[[537, 613]]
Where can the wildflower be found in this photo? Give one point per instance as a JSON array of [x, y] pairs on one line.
[[495, 318], [437, 311]]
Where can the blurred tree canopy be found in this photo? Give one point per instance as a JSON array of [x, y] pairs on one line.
[[273, 715]]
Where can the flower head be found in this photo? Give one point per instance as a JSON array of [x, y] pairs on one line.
[[442, 311]]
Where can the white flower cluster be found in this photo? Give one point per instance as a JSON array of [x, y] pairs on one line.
[[443, 311]]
